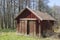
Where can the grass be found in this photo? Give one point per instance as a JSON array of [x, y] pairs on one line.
[[8, 34], [14, 36]]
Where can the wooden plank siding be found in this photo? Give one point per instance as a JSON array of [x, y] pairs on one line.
[[18, 26], [29, 19], [23, 27], [27, 14]]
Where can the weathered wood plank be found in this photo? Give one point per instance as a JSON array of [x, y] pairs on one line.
[[28, 19], [25, 31], [20, 27]]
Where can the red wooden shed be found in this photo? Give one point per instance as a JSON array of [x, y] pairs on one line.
[[33, 22]]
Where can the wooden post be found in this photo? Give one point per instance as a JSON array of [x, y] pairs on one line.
[[39, 29], [20, 27], [25, 27], [17, 28], [35, 28]]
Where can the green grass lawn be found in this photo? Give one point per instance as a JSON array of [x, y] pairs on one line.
[[14, 36], [11, 35]]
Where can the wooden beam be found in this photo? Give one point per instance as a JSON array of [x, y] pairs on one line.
[[35, 29], [20, 27], [28, 19], [25, 27], [40, 28]]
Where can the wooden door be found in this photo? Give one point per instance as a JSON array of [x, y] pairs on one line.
[[32, 26]]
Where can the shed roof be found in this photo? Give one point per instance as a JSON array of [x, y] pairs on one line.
[[40, 15]]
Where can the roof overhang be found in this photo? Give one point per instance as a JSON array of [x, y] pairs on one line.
[[32, 12]]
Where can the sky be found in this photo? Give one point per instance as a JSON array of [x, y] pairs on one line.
[[54, 2]]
